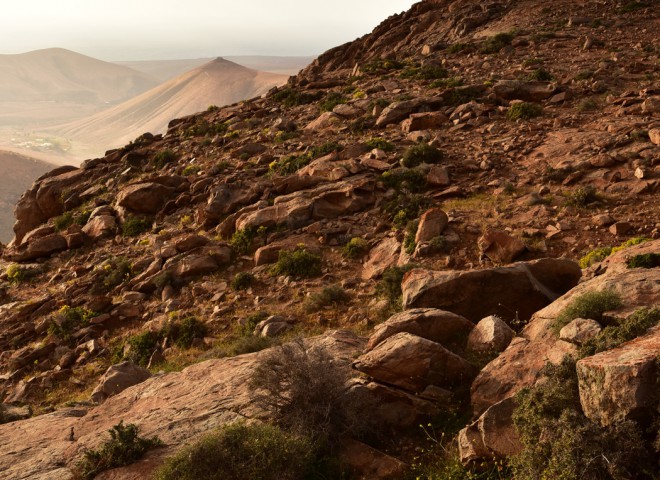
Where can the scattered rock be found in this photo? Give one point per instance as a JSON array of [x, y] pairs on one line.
[[580, 331], [117, 379], [501, 247], [431, 224], [491, 334]]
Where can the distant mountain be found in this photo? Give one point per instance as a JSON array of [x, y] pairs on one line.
[[166, 69], [19, 172], [58, 75], [218, 82]]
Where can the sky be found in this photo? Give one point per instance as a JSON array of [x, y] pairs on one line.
[[115, 30]]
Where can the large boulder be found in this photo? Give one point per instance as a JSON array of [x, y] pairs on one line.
[[414, 363], [621, 384], [446, 328], [501, 247], [381, 257], [431, 224], [514, 291], [424, 121], [117, 379], [100, 226], [146, 198], [37, 248]]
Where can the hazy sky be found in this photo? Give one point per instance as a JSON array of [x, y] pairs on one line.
[[169, 29]]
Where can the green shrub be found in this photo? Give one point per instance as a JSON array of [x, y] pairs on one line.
[[63, 222], [115, 272], [451, 82], [164, 157], [242, 281], [361, 124], [409, 243], [330, 101], [247, 328], [405, 207], [459, 47], [623, 331], [389, 286], [380, 143], [298, 263], [69, 320], [136, 225], [587, 105], [582, 196], [601, 253], [560, 442], [497, 42], [325, 149], [124, 448], [355, 248], [191, 170], [409, 179], [203, 127], [241, 241], [332, 295], [380, 64], [141, 347], [183, 332], [290, 97], [242, 452], [589, 305], [290, 164], [426, 72], [524, 111], [541, 75], [16, 274], [421, 153], [647, 260]]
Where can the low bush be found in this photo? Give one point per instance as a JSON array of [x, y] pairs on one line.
[[409, 243], [426, 72], [589, 305], [524, 111], [601, 253], [140, 347], [290, 97], [68, 320], [421, 153], [451, 82], [389, 286], [409, 179], [582, 196], [541, 75], [63, 222], [329, 296], [242, 452], [135, 225], [355, 248], [244, 344], [242, 281], [406, 207], [330, 101], [560, 442], [15, 273], [203, 128], [380, 143], [183, 332], [115, 272], [497, 42], [623, 331], [191, 170], [123, 448], [298, 263], [241, 241], [646, 260], [163, 158]]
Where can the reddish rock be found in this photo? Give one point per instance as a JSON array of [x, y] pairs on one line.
[[580, 331], [621, 384], [526, 91], [424, 121], [522, 287], [654, 135], [146, 198], [100, 226], [445, 328], [381, 257], [620, 228], [324, 121], [438, 176], [413, 363], [117, 379], [369, 463], [37, 248], [431, 224], [491, 334], [500, 247]]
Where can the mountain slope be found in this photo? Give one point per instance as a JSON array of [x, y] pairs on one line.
[[58, 75], [218, 82]]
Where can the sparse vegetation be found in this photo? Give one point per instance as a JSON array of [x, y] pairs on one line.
[[622, 331], [409, 243], [524, 111], [242, 281], [124, 447], [203, 128], [114, 272], [135, 225], [451, 82], [582, 196], [497, 42], [67, 320], [334, 295], [355, 248], [140, 347], [16, 273], [408, 179], [298, 263], [632, 7], [380, 143], [421, 153], [589, 305], [647, 260], [389, 288], [191, 170], [330, 101], [241, 241], [290, 97], [183, 332], [425, 72], [163, 158], [587, 105], [601, 253], [541, 75]]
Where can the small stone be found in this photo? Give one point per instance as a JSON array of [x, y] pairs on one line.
[[620, 228], [580, 330]]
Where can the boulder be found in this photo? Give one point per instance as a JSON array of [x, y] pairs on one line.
[[431, 224], [438, 176], [324, 121], [381, 257], [146, 198], [424, 121], [398, 111], [190, 242], [370, 463], [270, 253], [652, 106], [226, 199], [580, 330], [621, 384], [100, 226], [38, 248], [526, 91], [191, 266], [448, 329], [492, 436], [491, 334], [524, 288], [117, 379], [413, 363], [654, 135], [500, 247]]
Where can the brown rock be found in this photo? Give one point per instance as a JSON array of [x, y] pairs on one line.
[[523, 288], [580, 330], [381, 257], [37, 248], [190, 241], [620, 228], [324, 121], [500, 247], [431, 224], [621, 384], [369, 463], [424, 121], [270, 253], [192, 266], [413, 363], [654, 135], [100, 226], [526, 91], [491, 334], [117, 379], [652, 106], [144, 197], [438, 176], [445, 328]]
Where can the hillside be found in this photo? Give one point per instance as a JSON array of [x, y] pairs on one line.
[[434, 254], [19, 171], [218, 82]]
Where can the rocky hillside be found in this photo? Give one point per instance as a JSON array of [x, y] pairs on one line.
[[463, 205]]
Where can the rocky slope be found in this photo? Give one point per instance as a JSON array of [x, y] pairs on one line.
[[537, 147]]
